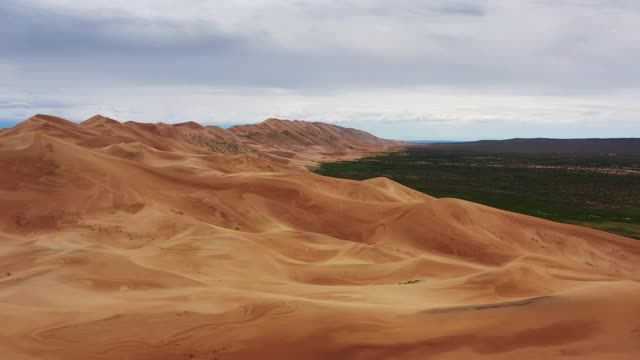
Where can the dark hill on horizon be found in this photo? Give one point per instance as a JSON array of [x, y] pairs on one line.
[[590, 147]]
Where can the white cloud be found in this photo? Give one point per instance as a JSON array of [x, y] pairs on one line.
[[393, 112]]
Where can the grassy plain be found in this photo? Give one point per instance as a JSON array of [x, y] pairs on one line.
[[599, 191]]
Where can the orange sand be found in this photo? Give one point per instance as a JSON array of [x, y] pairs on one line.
[[155, 241]]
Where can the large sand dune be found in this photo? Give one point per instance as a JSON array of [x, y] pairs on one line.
[[155, 241]]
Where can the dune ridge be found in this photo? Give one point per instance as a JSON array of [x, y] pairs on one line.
[[157, 241]]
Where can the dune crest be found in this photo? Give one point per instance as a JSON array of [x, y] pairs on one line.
[[125, 240]]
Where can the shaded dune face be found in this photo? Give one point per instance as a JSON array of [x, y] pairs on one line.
[[155, 241]]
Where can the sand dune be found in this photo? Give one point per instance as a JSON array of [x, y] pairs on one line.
[[305, 143], [156, 241]]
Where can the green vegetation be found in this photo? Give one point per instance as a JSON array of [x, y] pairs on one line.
[[602, 192]]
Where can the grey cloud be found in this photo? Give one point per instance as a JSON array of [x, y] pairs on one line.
[[461, 8], [5, 104], [165, 50], [590, 113], [411, 8], [36, 102], [409, 119], [492, 121], [28, 31]]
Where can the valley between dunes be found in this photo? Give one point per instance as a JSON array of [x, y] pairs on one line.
[[154, 241]]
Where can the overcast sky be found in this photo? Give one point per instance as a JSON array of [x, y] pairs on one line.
[[407, 69]]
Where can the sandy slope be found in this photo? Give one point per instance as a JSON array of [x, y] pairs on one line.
[[303, 144], [138, 241]]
